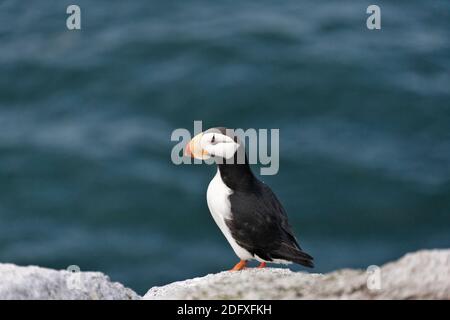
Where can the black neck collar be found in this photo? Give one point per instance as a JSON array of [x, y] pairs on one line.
[[237, 176]]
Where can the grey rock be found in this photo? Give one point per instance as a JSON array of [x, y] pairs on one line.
[[420, 275], [35, 283]]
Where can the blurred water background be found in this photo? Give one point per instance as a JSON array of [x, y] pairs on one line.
[[86, 117]]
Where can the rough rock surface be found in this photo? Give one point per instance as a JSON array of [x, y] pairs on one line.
[[420, 275], [25, 283]]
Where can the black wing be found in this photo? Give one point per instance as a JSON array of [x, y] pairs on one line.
[[260, 225]]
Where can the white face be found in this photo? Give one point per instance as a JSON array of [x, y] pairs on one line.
[[219, 145], [212, 143]]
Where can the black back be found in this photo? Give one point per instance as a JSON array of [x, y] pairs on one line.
[[259, 222]]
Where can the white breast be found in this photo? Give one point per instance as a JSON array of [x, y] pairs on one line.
[[220, 208]]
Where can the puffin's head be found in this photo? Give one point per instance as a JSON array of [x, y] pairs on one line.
[[214, 142]]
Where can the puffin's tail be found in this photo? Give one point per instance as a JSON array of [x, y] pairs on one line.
[[296, 255], [304, 259]]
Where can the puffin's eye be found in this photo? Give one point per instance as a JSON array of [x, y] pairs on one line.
[[213, 139]]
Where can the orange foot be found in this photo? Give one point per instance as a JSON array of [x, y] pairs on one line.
[[239, 266], [262, 265]]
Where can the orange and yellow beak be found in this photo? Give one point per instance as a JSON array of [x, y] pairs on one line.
[[194, 149]]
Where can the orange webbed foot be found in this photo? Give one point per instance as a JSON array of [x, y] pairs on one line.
[[239, 266], [262, 265]]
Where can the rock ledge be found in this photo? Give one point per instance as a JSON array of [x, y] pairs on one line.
[[35, 283], [420, 275]]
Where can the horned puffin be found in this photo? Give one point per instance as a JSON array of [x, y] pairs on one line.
[[245, 209]]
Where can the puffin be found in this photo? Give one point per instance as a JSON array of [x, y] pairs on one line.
[[244, 208]]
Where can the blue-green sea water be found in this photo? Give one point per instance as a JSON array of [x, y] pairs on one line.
[[86, 116]]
